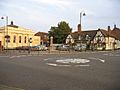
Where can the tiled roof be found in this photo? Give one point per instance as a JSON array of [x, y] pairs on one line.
[[109, 33], [41, 33], [90, 33], [104, 32], [116, 33]]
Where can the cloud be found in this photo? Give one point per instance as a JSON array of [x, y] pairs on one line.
[[43, 14], [56, 3]]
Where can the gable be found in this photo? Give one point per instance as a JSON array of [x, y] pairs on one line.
[[99, 37], [69, 36], [99, 33], [69, 39]]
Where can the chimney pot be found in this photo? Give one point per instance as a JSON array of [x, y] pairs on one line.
[[109, 30], [11, 22], [79, 28], [114, 25], [108, 27]]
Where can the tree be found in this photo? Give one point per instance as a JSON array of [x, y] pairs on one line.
[[60, 32]]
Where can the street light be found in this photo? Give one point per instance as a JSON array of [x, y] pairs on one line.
[[50, 46], [6, 29], [87, 41], [70, 43], [30, 41], [82, 13]]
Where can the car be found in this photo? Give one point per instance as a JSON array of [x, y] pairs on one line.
[[39, 48], [81, 47], [63, 48], [22, 48]]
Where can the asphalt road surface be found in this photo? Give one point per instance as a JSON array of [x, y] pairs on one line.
[[43, 72]]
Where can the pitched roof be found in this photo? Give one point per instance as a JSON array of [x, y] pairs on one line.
[[116, 33], [104, 32], [90, 33], [108, 33]]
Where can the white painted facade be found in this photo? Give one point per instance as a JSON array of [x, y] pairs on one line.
[[69, 39], [108, 41]]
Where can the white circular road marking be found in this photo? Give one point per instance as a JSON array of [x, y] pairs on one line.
[[69, 62], [74, 60]]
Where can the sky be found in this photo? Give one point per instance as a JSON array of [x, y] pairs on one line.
[[40, 15]]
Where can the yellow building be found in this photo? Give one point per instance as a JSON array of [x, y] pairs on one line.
[[12, 36]]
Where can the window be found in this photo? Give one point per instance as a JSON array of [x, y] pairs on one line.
[[25, 39], [8, 40], [14, 39], [30, 40], [20, 39]]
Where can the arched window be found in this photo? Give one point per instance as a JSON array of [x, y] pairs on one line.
[[14, 39], [25, 40], [20, 38]]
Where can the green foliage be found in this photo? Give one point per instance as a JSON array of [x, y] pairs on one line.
[[60, 32]]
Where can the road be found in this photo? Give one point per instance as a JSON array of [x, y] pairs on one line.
[[42, 72]]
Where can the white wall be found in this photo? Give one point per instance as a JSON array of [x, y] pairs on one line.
[[69, 39]]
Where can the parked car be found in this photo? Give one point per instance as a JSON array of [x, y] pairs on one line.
[[81, 47], [63, 48], [23, 48], [39, 47]]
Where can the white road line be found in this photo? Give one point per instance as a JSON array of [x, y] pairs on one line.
[[51, 64], [87, 65], [4, 56], [103, 61], [64, 65], [117, 55], [18, 56], [55, 65], [22, 56], [105, 54], [111, 54], [4, 87]]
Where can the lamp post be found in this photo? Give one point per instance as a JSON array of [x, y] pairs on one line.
[[69, 43], [82, 13], [51, 43], [7, 37], [80, 42], [30, 41], [87, 41]]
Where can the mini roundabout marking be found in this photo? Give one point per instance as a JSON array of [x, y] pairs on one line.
[[76, 62]]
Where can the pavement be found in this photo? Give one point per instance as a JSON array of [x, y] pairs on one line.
[[25, 52]]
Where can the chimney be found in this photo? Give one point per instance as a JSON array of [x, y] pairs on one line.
[[79, 28], [109, 30], [114, 26], [11, 22]]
